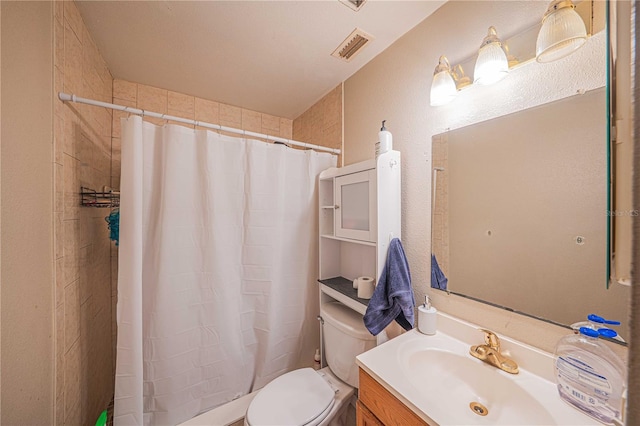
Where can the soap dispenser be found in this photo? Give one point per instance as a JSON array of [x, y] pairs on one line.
[[385, 141], [427, 317]]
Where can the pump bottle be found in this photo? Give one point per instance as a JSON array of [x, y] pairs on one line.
[[427, 315], [385, 140]]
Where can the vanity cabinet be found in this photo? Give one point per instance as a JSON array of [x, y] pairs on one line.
[[365, 417], [359, 215], [378, 407]]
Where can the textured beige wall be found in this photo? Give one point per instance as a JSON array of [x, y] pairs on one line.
[[83, 293], [27, 173], [395, 86], [321, 124]]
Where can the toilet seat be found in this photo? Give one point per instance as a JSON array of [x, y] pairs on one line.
[[298, 398]]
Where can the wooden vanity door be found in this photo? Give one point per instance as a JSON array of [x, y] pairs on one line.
[[365, 417], [378, 407]]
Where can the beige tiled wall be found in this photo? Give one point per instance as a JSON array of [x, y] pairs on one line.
[[440, 229], [173, 103], [82, 157], [322, 123]]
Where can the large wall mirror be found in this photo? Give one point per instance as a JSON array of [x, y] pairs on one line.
[[521, 212]]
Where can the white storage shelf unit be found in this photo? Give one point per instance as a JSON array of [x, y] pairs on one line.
[[359, 212]]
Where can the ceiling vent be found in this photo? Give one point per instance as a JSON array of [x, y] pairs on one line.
[[353, 4], [352, 45]]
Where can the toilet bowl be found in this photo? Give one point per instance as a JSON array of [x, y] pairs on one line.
[[301, 397], [306, 397]]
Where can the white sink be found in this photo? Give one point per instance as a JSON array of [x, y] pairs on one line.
[[437, 378], [470, 381]]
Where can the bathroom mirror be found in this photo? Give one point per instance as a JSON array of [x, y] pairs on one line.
[[521, 212]]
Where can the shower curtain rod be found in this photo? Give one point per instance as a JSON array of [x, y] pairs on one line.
[[65, 97]]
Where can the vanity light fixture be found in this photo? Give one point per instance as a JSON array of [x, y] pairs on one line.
[[461, 79], [564, 28], [562, 32], [446, 82], [443, 86], [492, 64]]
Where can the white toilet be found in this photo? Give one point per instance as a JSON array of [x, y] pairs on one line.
[[306, 397]]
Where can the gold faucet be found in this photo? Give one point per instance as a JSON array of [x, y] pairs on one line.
[[490, 353]]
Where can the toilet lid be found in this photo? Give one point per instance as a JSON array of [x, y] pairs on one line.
[[295, 398]]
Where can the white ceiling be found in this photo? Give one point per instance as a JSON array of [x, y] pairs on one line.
[[268, 56]]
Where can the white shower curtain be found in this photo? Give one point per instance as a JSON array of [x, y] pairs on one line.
[[217, 268]]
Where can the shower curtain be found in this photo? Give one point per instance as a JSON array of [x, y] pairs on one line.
[[217, 268]]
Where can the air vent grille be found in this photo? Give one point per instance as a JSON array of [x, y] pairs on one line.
[[352, 45], [353, 4]]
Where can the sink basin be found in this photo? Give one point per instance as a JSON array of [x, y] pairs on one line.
[[437, 378], [477, 392]]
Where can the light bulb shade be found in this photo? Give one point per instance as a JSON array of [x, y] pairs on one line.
[[562, 33], [443, 88], [492, 64]]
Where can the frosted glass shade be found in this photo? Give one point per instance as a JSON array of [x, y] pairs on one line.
[[492, 64], [443, 88], [562, 32]]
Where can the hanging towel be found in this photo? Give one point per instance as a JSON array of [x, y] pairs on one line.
[[114, 225], [393, 296], [438, 280]]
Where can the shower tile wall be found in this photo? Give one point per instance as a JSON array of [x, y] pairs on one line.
[[322, 123], [82, 157], [173, 103]]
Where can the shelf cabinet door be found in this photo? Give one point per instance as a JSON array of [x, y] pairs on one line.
[[355, 214]]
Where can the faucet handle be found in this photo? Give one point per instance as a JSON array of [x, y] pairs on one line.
[[491, 339]]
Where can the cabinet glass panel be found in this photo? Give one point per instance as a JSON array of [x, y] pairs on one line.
[[354, 206]]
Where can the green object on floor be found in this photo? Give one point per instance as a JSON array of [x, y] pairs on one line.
[[102, 420]]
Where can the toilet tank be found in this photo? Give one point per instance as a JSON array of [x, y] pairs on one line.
[[345, 337]]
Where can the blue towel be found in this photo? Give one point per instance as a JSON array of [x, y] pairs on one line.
[[438, 280], [393, 296]]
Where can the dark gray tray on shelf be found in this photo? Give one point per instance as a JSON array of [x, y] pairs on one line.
[[344, 286]]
